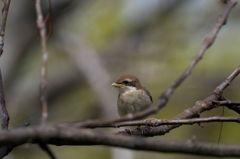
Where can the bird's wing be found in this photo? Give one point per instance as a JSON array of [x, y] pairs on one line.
[[148, 93]]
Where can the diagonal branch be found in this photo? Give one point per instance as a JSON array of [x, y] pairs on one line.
[[227, 82]]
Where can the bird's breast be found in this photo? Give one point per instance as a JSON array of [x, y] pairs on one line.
[[132, 102]]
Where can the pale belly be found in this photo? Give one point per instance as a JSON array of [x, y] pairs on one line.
[[129, 103]]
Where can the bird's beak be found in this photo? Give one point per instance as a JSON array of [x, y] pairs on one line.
[[117, 85]]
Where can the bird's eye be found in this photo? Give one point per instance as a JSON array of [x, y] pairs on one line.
[[126, 82]]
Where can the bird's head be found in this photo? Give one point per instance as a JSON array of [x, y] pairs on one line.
[[127, 83]]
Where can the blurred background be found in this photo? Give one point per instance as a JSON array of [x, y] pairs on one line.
[[93, 42]]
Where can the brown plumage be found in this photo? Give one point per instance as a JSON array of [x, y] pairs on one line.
[[133, 97]]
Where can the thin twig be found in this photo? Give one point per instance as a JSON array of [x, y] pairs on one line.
[[157, 122], [3, 23], [47, 149], [224, 102], [208, 41], [221, 126], [228, 103], [227, 82], [43, 84]]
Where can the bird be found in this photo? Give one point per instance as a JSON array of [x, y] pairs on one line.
[[133, 97]]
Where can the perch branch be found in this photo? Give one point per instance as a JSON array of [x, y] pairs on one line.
[[157, 122]]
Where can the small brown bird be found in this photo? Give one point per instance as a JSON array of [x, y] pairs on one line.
[[133, 97]]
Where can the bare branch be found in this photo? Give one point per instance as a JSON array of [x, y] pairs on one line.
[[4, 113], [157, 122], [45, 148], [233, 107], [3, 23], [57, 135], [227, 82], [43, 84], [5, 149], [3, 109], [228, 103]]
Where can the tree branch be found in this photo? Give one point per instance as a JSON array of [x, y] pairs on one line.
[[228, 103], [157, 122], [43, 84], [5, 149], [3, 23], [57, 135], [3, 109]]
